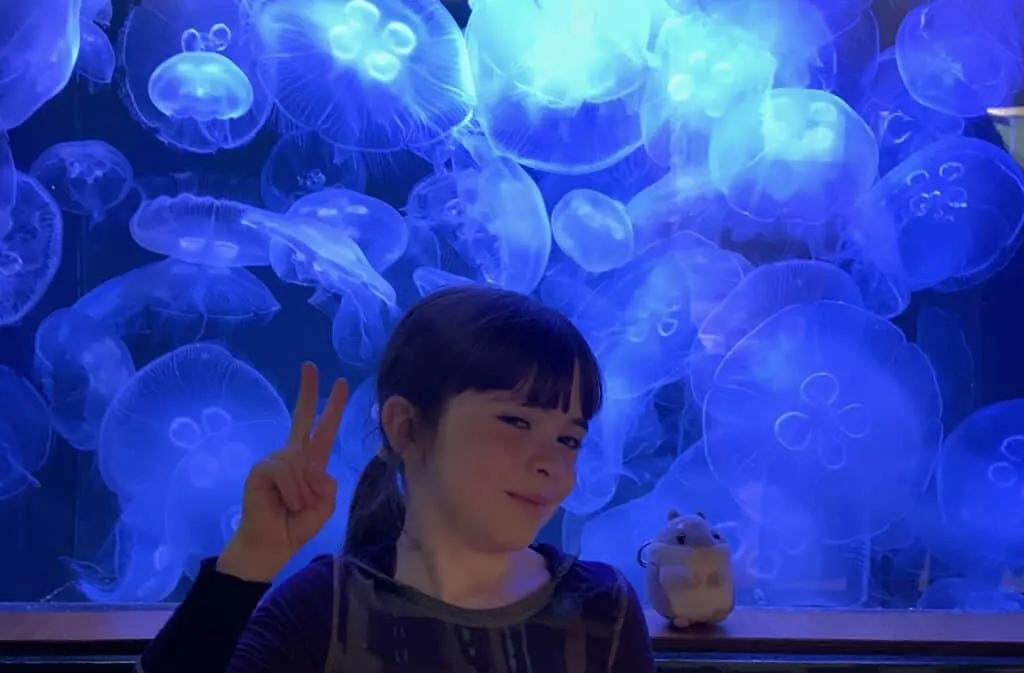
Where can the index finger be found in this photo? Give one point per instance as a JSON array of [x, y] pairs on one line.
[[319, 447], [304, 414]]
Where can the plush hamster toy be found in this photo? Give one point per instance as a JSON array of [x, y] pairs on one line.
[[689, 572]]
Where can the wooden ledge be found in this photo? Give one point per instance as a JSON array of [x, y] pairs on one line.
[[747, 631], [849, 632]]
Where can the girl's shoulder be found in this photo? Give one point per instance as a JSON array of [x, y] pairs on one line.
[[598, 592]]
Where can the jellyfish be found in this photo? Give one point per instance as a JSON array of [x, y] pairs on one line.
[[429, 280], [980, 478], [593, 230], [801, 155], [706, 66], [96, 59], [30, 250], [196, 393], [135, 565], [25, 434], [80, 365], [39, 45], [86, 177], [308, 252], [202, 86], [900, 123], [199, 229], [829, 404], [961, 57], [639, 322], [359, 435], [204, 492], [180, 301], [560, 92], [378, 229], [302, 163], [758, 296], [506, 233], [361, 325], [376, 76], [202, 100], [948, 217], [600, 463]]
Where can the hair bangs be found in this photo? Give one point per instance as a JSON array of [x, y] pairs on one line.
[[537, 354]]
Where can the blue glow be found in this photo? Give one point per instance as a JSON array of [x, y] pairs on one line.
[[787, 228]]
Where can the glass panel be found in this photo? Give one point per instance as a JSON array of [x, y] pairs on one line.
[[789, 230]]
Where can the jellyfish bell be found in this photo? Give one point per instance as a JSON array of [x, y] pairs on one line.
[[201, 85], [374, 76]]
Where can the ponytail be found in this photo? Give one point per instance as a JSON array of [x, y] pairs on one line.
[[376, 514]]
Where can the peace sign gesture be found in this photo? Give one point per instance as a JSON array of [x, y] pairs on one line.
[[288, 496]]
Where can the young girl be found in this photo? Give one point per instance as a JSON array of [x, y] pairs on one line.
[[485, 396]]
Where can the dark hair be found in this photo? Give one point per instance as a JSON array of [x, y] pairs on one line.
[[469, 337]]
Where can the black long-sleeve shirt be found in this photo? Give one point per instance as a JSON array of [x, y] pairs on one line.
[[347, 615]]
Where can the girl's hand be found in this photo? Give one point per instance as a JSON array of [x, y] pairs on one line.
[[288, 496]]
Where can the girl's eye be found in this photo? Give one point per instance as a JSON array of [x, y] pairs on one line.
[[571, 442], [515, 422]]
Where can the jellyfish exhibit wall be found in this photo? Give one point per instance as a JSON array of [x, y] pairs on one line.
[[787, 228]]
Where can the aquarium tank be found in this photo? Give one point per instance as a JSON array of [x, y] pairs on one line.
[[789, 229]]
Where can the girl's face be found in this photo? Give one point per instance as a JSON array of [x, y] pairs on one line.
[[499, 469]]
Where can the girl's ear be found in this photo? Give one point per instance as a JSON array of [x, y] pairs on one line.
[[398, 423]]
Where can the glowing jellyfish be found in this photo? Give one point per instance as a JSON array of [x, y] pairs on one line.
[[593, 229], [303, 163], [370, 76], [194, 394], [980, 479], [359, 435], [643, 321], [200, 101], [757, 297], [429, 280], [950, 214], [505, 233], [900, 123], [705, 67], [203, 86], [801, 155], [96, 59], [378, 229], [559, 82], [86, 177], [204, 496], [79, 365], [961, 57], [180, 301], [308, 252], [199, 229], [361, 325], [828, 404], [25, 434], [39, 44], [30, 250], [145, 569]]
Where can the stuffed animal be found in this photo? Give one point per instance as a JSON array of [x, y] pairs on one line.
[[689, 572]]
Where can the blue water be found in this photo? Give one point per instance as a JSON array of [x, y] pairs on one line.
[[789, 230]]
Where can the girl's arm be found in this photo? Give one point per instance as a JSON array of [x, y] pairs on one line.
[[222, 627]]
